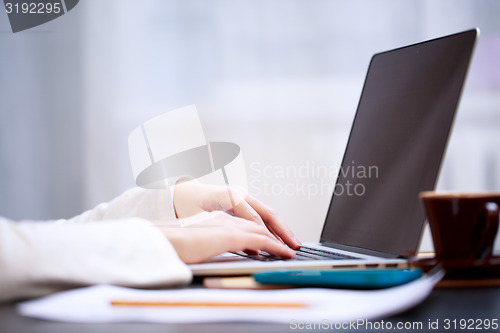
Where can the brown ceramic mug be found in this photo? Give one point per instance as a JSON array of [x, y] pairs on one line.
[[463, 225]]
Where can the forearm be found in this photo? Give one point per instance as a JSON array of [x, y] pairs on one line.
[[38, 258], [136, 202]]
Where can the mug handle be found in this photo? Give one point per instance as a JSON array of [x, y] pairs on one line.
[[490, 230]]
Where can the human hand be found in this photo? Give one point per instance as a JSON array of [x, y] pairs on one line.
[[209, 234], [191, 198]]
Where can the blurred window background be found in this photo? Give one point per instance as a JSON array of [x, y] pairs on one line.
[[281, 78]]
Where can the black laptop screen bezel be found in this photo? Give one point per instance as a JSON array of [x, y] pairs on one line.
[[468, 38]]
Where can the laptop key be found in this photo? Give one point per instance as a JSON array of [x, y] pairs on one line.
[[304, 253], [262, 256], [326, 253]]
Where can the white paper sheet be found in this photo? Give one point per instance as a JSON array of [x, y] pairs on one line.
[[92, 304]]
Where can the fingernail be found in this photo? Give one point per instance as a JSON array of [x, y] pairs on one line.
[[299, 243]]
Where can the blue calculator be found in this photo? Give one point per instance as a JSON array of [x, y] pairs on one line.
[[341, 278]]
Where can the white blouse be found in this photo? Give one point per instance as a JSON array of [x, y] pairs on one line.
[[113, 243]]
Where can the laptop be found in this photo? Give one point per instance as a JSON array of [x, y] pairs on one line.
[[395, 149]]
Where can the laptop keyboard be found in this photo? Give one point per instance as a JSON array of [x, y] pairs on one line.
[[304, 253]]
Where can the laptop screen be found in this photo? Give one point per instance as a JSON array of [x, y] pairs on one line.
[[396, 144]]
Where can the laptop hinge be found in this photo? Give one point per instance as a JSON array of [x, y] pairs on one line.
[[361, 250]]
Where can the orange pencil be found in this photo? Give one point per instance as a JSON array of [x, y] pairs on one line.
[[209, 304]]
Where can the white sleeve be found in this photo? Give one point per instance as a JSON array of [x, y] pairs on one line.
[[148, 204], [37, 258]]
